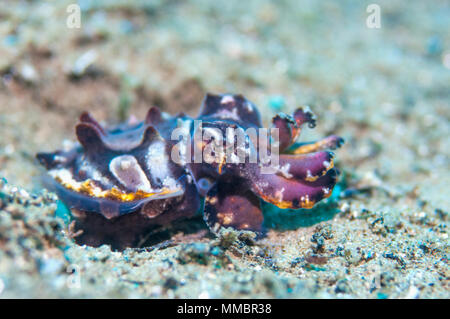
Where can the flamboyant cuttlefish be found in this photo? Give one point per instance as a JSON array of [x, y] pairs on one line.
[[121, 181]]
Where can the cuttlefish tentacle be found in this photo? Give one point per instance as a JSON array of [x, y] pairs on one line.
[[232, 204]]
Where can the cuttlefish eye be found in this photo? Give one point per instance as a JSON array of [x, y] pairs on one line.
[[204, 185]]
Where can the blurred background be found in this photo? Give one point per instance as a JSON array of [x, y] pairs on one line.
[[385, 89]]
